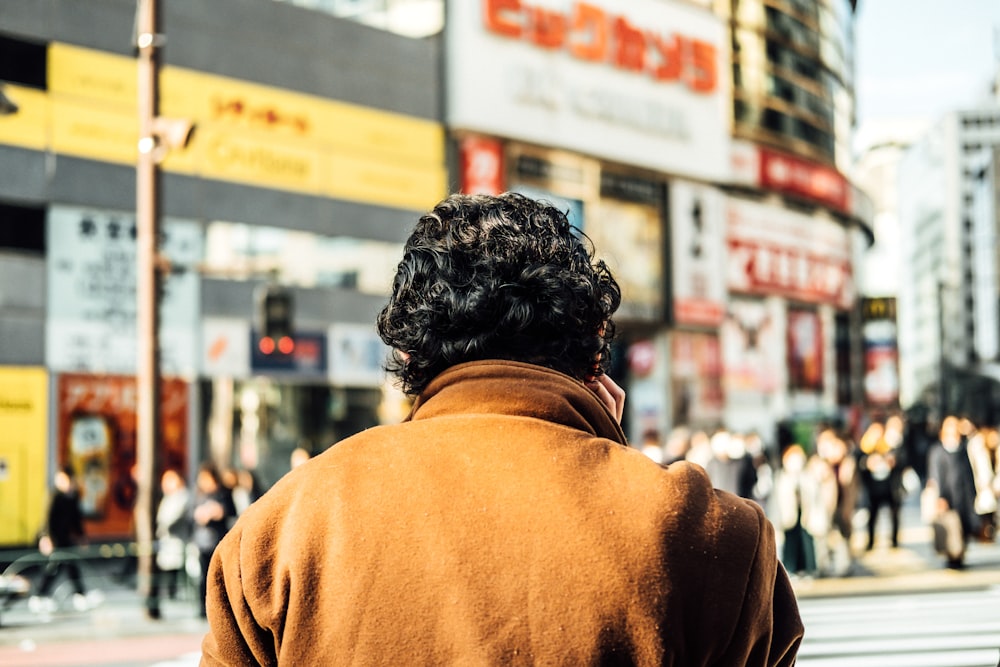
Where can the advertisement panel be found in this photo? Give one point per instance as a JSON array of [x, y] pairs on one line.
[[697, 230], [481, 165], [246, 132], [96, 435], [23, 453], [225, 349], [773, 250], [881, 346], [805, 350], [751, 348], [696, 379], [628, 236], [643, 84], [91, 283], [357, 356]]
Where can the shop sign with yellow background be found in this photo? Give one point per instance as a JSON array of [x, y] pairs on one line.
[[23, 452], [245, 132]]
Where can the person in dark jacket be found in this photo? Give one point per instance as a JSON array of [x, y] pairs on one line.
[[212, 513], [62, 532], [949, 471]]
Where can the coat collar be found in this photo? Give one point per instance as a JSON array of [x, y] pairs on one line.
[[517, 389]]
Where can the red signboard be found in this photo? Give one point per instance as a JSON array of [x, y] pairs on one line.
[[482, 166], [764, 268], [795, 176]]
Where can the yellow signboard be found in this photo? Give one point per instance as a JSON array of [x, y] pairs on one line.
[[102, 78], [23, 453], [28, 127], [245, 132]]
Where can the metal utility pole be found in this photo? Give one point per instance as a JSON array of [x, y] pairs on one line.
[[147, 212]]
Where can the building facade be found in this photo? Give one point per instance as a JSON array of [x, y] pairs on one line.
[[945, 217], [796, 226], [304, 170], [700, 145]]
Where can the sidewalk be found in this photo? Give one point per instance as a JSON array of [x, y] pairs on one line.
[[116, 631], [913, 567]]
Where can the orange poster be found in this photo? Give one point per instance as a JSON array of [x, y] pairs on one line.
[[97, 437]]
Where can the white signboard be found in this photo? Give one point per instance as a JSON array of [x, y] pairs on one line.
[[225, 348], [357, 355], [772, 250], [642, 83], [697, 230], [92, 293]]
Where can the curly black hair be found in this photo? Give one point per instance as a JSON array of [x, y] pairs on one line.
[[498, 277]]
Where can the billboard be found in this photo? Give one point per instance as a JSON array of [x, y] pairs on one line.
[[96, 435], [643, 83], [697, 230], [881, 350], [91, 303]]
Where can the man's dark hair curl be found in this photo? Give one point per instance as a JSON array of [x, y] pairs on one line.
[[498, 277]]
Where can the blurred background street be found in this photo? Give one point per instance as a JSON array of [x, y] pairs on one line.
[[202, 205]]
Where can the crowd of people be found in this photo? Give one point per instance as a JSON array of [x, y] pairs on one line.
[[817, 493], [189, 524]]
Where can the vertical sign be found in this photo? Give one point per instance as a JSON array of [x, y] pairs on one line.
[[697, 232], [878, 332]]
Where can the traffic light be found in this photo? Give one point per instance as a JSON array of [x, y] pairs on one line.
[[275, 309]]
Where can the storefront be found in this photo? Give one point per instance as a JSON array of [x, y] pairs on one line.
[[602, 109]]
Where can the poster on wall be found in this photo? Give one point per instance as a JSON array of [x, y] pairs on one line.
[[805, 350], [696, 378], [750, 347], [91, 300], [482, 166], [629, 238], [357, 356], [96, 427], [697, 234], [881, 346]]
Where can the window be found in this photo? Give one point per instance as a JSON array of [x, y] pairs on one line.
[[23, 62], [22, 228]]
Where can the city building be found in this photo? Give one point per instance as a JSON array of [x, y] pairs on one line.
[[702, 146], [316, 143], [947, 322], [797, 228]]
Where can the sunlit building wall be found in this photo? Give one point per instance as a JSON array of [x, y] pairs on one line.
[[939, 178], [317, 143]]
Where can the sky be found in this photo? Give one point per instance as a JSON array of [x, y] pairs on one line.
[[917, 59]]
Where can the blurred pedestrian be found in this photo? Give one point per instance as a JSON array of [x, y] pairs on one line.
[[506, 521], [63, 532], [833, 449], [986, 471], [882, 475], [700, 451], [731, 467], [298, 456], [678, 443], [211, 513], [951, 480], [173, 530], [246, 491], [763, 470], [651, 445], [799, 511]]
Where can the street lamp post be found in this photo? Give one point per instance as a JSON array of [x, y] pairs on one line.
[[147, 288]]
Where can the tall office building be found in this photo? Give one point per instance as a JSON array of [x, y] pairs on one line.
[[946, 183]]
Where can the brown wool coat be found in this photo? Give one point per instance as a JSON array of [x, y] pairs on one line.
[[504, 523]]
